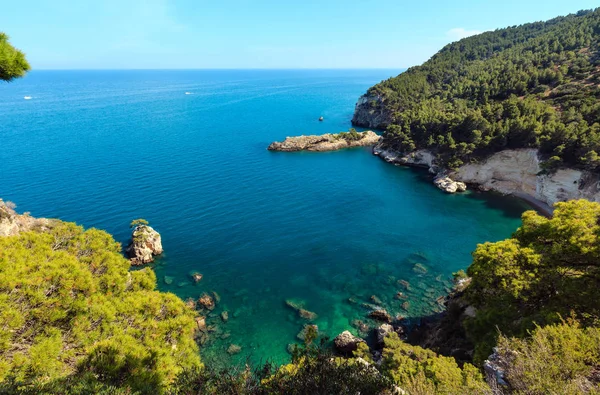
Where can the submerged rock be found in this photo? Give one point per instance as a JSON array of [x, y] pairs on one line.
[[326, 142], [233, 349], [405, 284], [302, 312], [306, 329], [168, 280], [225, 316], [419, 268], [362, 327], [346, 342], [376, 300], [145, 244], [380, 315]]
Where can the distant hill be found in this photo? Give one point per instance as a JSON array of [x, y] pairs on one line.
[[535, 85]]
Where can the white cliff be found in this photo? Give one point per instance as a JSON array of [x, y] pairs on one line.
[[515, 172]]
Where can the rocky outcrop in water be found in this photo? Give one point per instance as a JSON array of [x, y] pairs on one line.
[[145, 244], [370, 112], [325, 142]]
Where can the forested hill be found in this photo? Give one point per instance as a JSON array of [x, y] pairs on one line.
[[535, 85]]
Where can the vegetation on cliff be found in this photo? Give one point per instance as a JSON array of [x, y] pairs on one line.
[[549, 269], [535, 85]]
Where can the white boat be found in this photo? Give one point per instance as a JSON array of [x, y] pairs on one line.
[[27, 97], [188, 93]]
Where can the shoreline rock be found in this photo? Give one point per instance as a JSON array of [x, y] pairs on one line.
[[325, 142]]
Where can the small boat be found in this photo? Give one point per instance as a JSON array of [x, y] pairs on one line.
[[27, 97], [188, 93]]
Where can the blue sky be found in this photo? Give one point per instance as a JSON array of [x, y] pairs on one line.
[[118, 34]]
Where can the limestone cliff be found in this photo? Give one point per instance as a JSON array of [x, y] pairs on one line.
[[371, 112], [326, 142]]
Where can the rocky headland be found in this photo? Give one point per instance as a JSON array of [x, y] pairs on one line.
[[326, 142]]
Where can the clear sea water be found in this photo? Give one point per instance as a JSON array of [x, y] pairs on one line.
[[328, 230]]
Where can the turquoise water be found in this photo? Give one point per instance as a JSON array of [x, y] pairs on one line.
[[327, 229]]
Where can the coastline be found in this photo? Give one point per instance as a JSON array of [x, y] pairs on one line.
[[424, 159]]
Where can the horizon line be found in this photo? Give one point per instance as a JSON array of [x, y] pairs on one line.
[[217, 69]]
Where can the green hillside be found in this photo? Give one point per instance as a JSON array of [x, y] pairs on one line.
[[535, 85]]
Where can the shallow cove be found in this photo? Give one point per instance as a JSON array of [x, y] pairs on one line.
[[103, 148]]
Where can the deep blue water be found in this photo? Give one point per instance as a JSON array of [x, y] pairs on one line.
[[101, 148]]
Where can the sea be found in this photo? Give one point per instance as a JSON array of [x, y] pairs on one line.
[[334, 232]]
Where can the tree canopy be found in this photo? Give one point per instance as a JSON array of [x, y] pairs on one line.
[[549, 269], [12, 61], [69, 306]]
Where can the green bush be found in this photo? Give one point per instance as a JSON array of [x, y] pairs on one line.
[[556, 359]]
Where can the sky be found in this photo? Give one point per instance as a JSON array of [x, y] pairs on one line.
[[194, 34]]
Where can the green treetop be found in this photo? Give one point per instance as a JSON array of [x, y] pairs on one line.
[[12, 61]]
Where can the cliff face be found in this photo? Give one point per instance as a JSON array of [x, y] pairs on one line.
[[517, 172], [370, 112]]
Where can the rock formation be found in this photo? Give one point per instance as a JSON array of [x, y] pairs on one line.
[[326, 142], [448, 185], [346, 342], [380, 315], [145, 244], [370, 112], [12, 224]]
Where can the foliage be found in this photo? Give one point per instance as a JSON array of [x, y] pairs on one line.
[[556, 359], [70, 307], [549, 268], [420, 371], [534, 85], [351, 135], [314, 370], [12, 61], [137, 222]]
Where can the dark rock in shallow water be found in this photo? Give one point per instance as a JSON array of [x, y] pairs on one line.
[[206, 302], [225, 316], [346, 342], [380, 315]]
